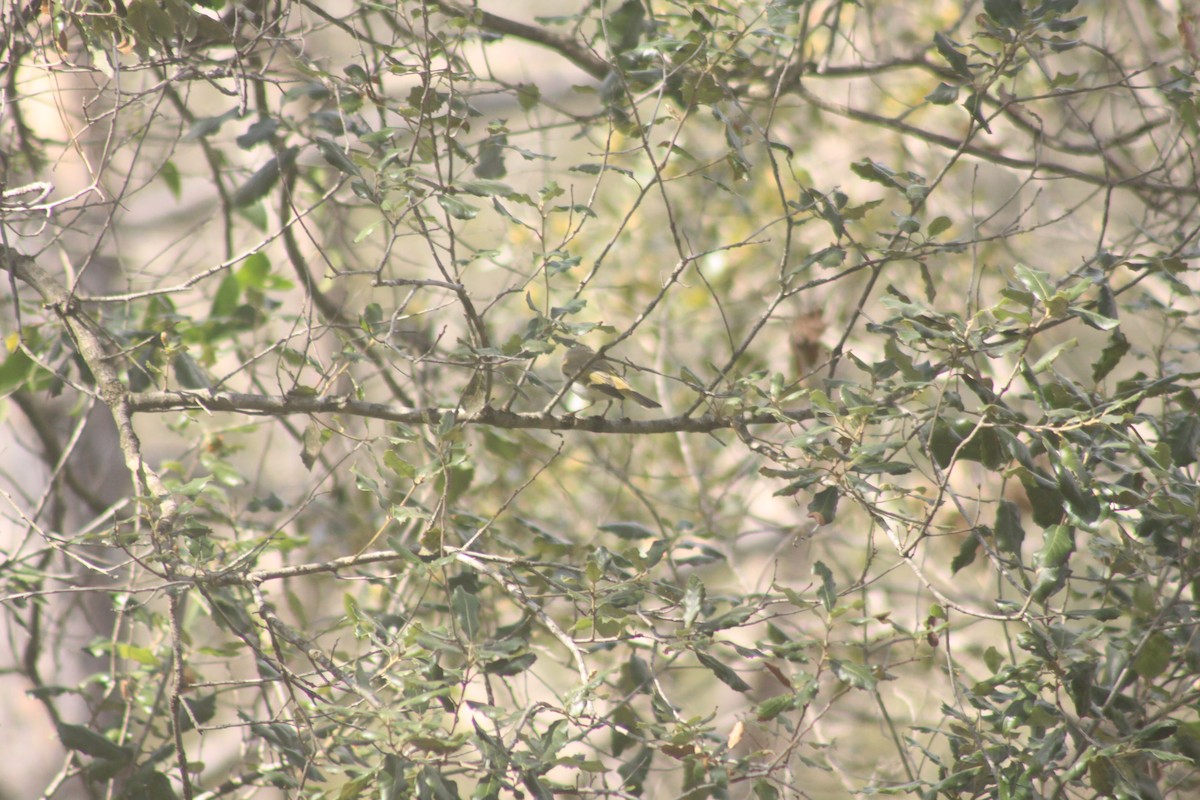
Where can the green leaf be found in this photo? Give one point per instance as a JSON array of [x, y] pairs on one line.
[[528, 95], [197, 711], [635, 771], [257, 186], [489, 161], [1116, 349], [1184, 439], [943, 442], [628, 530], [455, 480], [956, 60], [823, 506], [724, 674], [433, 785], [992, 659], [1081, 500], [393, 779], [261, 130], [466, 610], [1044, 363], [225, 300], [765, 790], [206, 126], [831, 256], [170, 175], [142, 655], [1035, 281], [1154, 657], [1067, 25], [337, 158], [857, 675], [949, 436], [828, 589], [636, 676], [89, 742], [15, 370], [772, 707], [315, 436], [624, 26], [937, 226], [881, 468], [486, 188], [729, 619], [510, 666], [1094, 320], [254, 272], [1106, 303], [203, 708], [188, 373], [1010, 535], [974, 104], [457, 208], [943, 95], [1006, 12], [873, 171], [1049, 581], [151, 785], [1045, 501], [1058, 543], [966, 553], [537, 789], [654, 553]]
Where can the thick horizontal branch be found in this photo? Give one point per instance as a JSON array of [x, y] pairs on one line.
[[791, 81], [573, 51], [991, 155], [283, 405]]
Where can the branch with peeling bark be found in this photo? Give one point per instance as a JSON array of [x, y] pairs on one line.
[[159, 504], [91, 344]]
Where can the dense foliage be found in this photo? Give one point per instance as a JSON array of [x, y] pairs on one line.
[[297, 500]]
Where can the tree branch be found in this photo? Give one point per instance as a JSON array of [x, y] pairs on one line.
[[283, 405], [90, 342], [570, 49]]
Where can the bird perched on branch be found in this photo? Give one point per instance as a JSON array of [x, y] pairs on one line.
[[597, 378]]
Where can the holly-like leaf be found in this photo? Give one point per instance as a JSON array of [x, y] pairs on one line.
[[956, 60], [724, 674], [92, 743]]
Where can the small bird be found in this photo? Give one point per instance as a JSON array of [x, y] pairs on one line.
[[597, 378]]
